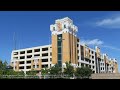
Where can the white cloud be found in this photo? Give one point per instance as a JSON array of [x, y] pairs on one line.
[[109, 23], [111, 47], [100, 43], [92, 42]]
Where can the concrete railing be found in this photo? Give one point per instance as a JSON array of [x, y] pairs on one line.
[[106, 76]]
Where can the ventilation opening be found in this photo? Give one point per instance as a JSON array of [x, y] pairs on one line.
[[29, 51], [45, 49], [37, 50], [45, 54], [22, 52]]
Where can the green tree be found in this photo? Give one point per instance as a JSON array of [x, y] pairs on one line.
[[83, 72], [69, 70], [31, 72], [3, 65], [55, 71], [44, 72]]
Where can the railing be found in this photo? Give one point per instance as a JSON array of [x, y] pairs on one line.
[[40, 77]]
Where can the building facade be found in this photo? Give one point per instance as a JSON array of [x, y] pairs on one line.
[[65, 47]]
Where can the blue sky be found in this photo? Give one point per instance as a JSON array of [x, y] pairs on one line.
[[32, 28]]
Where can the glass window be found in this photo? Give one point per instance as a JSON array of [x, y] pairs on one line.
[[37, 66], [60, 35], [33, 66], [64, 26], [59, 43], [59, 63], [54, 28], [59, 56], [59, 50], [92, 52]]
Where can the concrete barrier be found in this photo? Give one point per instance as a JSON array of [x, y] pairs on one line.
[[106, 76]]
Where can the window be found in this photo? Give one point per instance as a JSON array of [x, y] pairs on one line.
[[92, 57], [37, 66], [86, 59], [22, 52], [15, 53], [29, 51], [36, 55], [101, 68], [28, 61], [45, 66], [50, 54], [28, 67], [22, 67], [82, 52], [36, 50], [29, 56], [92, 52], [59, 56], [21, 62], [77, 40], [89, 61], [92, 62], [59, 43], [86, 65], [51, 59], [44, 60], [77, 45], [22, 57], [33, 66], [59, 63], [64, 26], [89, 66], [59, 50], [54, 28], [82, 65], [93, 67], [44, 54], [78, 57], [45, 49], [15, 57]]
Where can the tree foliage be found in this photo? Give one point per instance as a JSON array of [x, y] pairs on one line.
[[31, 72], [55, 70], [69, 70], [44, 71], [83, 72]]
